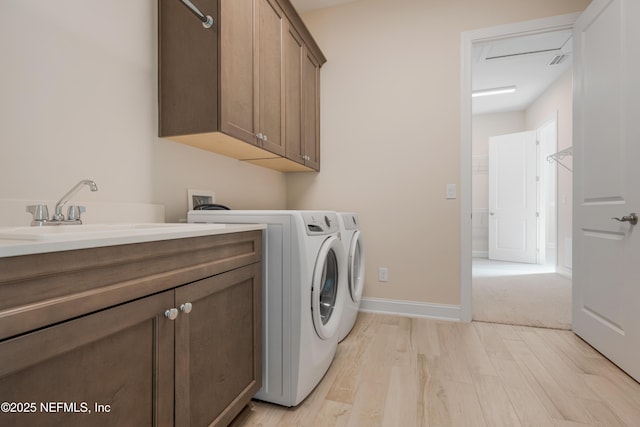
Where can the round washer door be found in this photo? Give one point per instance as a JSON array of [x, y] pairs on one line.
[[356, 267], [325, 295]]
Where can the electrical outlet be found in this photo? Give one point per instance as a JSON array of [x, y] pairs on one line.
[[383, 274]]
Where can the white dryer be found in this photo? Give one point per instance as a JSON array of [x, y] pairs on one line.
[[354, 258], [303, 270]]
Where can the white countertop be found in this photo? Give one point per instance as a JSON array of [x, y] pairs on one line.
[[16, 241]]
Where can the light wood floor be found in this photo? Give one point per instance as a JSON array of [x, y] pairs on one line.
[[397, 371]]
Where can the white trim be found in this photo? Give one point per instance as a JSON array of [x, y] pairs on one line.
[[468, 38], [410, 309], [480, 254], [564, 271]]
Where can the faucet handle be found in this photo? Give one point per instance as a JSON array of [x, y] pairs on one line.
[[74, 212], [40, 214]]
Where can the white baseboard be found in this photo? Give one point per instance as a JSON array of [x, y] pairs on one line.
[[564, 271], [410, 309], [480, 254]]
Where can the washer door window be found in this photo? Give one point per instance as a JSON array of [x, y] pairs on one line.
[[356, 267], [325, 303]]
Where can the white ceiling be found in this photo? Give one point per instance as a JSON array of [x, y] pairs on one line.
[[521, 61]]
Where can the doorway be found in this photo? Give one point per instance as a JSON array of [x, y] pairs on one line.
[[531, 29], [515, 281]]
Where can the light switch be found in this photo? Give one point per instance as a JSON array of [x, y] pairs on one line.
[[451, 191]]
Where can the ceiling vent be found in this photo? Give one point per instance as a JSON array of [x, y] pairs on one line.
[[558, 59]]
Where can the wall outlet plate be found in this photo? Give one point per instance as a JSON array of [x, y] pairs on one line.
[[199, 197], [383, 274], [451, 191]]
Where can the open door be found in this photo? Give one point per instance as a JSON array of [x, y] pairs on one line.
[[606, 264], [513, 197]]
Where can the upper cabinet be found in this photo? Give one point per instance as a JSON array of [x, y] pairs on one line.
[[246, 88], [311, 109]]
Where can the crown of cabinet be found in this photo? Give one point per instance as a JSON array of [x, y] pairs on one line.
[[247, 88]]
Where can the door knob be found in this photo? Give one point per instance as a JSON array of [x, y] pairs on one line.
[[632, 218]]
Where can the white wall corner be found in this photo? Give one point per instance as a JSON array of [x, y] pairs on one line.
[[410, 309]]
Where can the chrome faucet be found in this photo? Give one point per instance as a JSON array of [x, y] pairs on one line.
[[41, 212], [58, 216]]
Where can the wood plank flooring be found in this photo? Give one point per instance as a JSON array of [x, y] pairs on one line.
[[399, 371]]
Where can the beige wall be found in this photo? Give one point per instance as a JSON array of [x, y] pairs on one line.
[[559, 98], [79, 100], [391, 131]]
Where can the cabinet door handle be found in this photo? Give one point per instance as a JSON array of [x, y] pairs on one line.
[[264, 138], [186, 307], [171, 314]]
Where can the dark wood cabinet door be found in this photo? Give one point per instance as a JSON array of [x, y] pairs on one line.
[[311, 110], [237, 68], [294, 51], [270, 22], [187, 69], [113, 367], [218, 347]]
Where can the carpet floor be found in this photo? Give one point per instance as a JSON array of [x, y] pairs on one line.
[[541, 300]]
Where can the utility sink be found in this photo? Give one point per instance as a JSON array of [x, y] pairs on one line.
[[83, 231]]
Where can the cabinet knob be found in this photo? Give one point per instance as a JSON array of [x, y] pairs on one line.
[[260, 136], [264, 138], [171, 314], [186, 307]]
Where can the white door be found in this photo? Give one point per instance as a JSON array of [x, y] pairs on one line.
[[513, 197], [606, 265]]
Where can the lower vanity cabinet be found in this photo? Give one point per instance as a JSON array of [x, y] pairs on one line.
[[110, 368], [186, 356], [218, 352]]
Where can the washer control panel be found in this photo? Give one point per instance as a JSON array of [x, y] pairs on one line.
[[320, 222], [350, 221]]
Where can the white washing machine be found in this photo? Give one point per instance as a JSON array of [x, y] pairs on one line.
[[303, 270], [354, 258]]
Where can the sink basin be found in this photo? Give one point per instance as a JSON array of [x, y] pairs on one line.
[[59, 232]]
